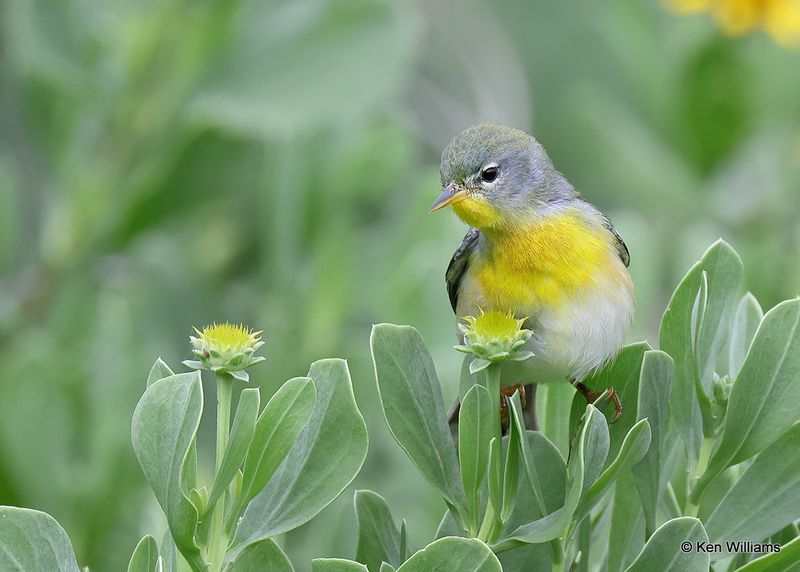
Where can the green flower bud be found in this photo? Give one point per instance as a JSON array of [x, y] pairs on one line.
[[493, 337], [225, 348]]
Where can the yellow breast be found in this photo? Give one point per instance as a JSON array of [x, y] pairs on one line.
[[542, 264]]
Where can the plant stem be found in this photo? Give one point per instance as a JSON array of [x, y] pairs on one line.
[[218, 542], [558, 555], [490, 526], [702, 465]]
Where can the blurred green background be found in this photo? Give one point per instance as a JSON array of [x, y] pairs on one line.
[[167, 164]]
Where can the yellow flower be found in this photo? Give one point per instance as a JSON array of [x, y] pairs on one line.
[[780, 19], [493, 337], [226, 348]]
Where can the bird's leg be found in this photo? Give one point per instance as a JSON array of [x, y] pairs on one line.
[[594, 396], [452, 415], [529, 408], [505, 395], [527, 398]]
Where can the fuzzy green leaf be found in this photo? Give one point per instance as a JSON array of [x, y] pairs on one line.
[[474, 435], [676, 338], [378, 537], [663, 551], [336, 565], [550, 526], [145, 556], [658, 372], [626, 535], [766, 497], [411, 398], [323, 460], [160, 370], [787, 560], [762, 404], [745, 323], [633, 449], [453, 553], [277, 428], [33, 540], [163, 432], [244, 423], [623, 375], [260, 556], [724, 269]]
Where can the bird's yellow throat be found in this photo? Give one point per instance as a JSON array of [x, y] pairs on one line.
[[528, 266]]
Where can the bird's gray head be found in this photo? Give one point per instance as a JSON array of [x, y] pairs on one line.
[[493, 175]]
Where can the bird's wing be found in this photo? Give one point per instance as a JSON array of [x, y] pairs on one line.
[[622, 249], [458, 265]]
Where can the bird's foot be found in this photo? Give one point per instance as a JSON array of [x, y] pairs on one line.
[[505, 394], [596, 396]]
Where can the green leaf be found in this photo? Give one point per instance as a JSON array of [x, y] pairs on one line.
[[516, 438], [169, 555], [676, 338], [766, 497], [33, 540], [241, 436], [787, 560], [596, 452], [633, 449], [163, 431], [663, 551], [724, 269], [160, 370], [551, 470], [626, 535], [762, 403], [550, 526], [324, 459], [474, 435], [277, 429], [623, 375], [658, 372], [495, 477], [552, 400], [378, 537], [336, 565], [259, 556], [453, 553], [745, 323], [145, 556], [412, 404], [386, 567]]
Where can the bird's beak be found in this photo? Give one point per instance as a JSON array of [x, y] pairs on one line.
[[450, 195]]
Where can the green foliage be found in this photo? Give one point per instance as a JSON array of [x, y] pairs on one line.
[[324, 459], [292, 471], [663, 550], [145, 556], [379, 539], [163, 432], [716, 394], [412, 403], [33, 540]]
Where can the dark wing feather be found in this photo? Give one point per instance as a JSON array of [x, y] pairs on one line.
[[458, 265], [622, 249]]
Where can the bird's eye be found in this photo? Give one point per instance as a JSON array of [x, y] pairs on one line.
[[489, 174]]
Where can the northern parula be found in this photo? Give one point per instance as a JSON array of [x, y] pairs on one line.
[[538, 251]]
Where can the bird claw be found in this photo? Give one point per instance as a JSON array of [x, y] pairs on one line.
[[594, 396]]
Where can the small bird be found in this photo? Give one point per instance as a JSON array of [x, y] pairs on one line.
[[538, 251]]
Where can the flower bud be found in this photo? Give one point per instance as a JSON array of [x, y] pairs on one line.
[[225, 348], [493, 337]]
